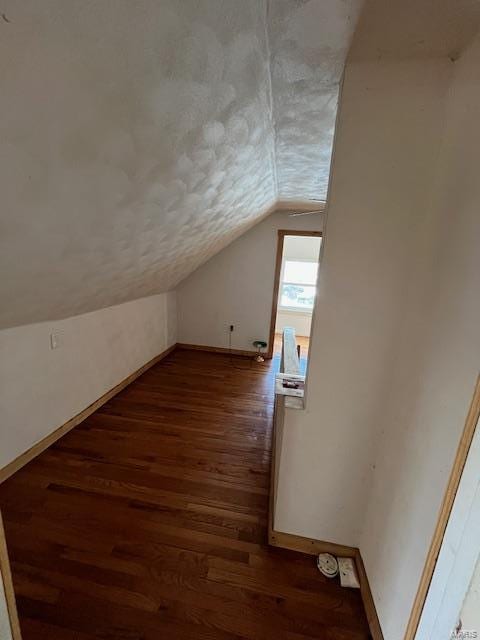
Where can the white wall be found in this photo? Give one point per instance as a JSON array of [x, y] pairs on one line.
[[436, 365], [470, 613], [236, 287], [297, 248], [300, 321], [386, 149], [41, 388], [396, 347]]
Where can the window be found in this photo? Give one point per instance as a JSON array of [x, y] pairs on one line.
[[297, 289]]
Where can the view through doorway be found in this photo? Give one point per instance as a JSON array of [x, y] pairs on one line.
[[295, 288]]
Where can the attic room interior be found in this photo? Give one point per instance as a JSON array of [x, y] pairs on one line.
[[239, 320]]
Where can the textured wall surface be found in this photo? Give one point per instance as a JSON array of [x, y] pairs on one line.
[[137, 138], [308, 42], [136, 142]]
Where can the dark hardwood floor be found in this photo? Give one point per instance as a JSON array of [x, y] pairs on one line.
[[148, 521]]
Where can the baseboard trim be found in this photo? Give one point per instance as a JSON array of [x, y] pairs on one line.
[[314, 547], [367, 597], [309, 545], [225, 350], [39, 447]]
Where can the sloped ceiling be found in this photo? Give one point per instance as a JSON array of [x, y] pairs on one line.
[[309, 43], [140, 138]]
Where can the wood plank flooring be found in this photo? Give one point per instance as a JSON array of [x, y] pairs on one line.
[[148, 520]]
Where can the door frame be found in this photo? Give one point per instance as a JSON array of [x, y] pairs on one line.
[[471, 421], [276, 281]]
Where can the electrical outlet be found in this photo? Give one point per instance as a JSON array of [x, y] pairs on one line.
[[54, 340], [348, 574]]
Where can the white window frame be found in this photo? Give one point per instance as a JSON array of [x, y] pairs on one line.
[[292, 309]]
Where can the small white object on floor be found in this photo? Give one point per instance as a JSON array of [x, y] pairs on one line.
[[348, 573], [328, 565]]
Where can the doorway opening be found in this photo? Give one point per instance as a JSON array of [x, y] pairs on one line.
[[295, 289]]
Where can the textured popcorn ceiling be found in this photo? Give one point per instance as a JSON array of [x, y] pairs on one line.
[[137, 138], [308, 42]]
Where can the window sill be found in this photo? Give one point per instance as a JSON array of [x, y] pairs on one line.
[[297, 312]]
